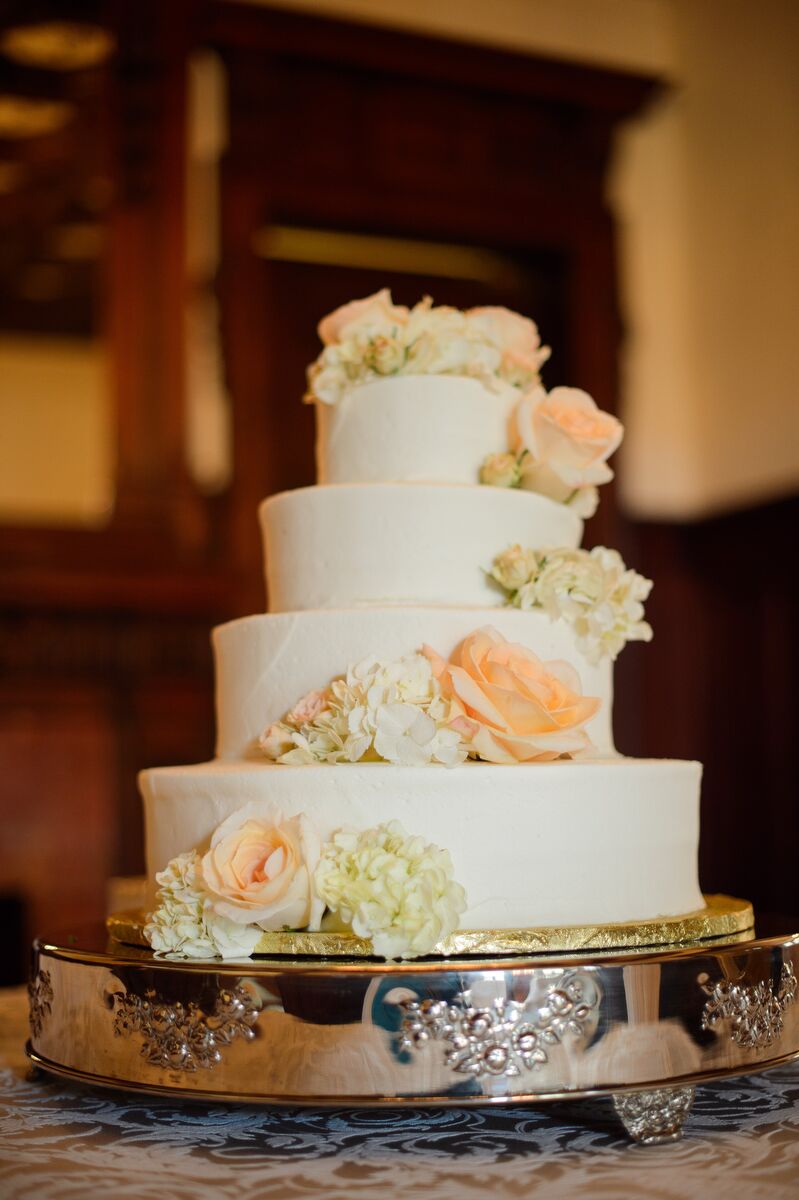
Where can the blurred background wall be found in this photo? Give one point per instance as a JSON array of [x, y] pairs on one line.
[[186, 188]]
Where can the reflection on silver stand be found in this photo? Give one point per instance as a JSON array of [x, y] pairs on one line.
[[644, 1026]]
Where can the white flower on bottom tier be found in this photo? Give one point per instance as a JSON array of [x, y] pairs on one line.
[[257, 874], [394, 889], [185, 926]]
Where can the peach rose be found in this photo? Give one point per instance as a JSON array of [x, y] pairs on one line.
[[568, 440], [516, 336], [259, 869], [378, 310], [508, 705]]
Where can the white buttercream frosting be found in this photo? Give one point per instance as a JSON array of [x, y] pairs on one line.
[[265, 664], [383, 543], [547, 844], [390, 554], [413, 428]]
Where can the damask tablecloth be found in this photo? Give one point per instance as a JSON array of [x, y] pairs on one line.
[[60, 1141]]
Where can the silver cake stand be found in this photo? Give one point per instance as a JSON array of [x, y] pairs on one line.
[[642, 1025]]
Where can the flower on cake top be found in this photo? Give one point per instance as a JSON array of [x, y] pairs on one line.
[[375, 314], [380, 711], [561, 442], [372, 338], [593, 590], [510, 707], [394, 889], [517, 339]]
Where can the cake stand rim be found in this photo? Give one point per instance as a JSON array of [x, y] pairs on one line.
[[345, 1100], [133, 1003]]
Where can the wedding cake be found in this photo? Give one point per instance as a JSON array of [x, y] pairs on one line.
[[416, 738]]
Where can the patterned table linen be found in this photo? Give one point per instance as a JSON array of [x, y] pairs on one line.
[[60, 1141]]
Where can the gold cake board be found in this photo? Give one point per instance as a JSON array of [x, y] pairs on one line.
[[722, 917]]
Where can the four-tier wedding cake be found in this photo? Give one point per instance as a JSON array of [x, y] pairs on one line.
[[416, 738]]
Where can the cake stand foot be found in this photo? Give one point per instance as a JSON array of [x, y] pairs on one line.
[[654, 1117]]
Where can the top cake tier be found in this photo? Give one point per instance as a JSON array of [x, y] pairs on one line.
[[431, 394], [412, 428]]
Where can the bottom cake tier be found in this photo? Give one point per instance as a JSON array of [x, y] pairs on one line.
[[561, 843]]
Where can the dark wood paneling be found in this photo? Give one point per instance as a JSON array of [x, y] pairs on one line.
[[57, 849], [718, 684], [355, 129]]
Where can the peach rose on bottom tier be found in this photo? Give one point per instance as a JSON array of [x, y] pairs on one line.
[[509, 706], [259, 869]]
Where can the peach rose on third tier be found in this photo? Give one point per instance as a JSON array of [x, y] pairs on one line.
[[259, 869], [508, 705], [567, 439], [376, 314]]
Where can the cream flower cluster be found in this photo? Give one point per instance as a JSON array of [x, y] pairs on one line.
[[380, 711], [183, 925], [264, 871], [374, 337], [591, 589], [560, 445], [256, 874], [394, 889], [493, 700]]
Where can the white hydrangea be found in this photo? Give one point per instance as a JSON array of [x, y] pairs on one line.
[[390, 711], [593, 590], [395, 889], [184, 926], [430, 340]]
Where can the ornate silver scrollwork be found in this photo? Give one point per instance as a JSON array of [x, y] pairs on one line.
[[755, 1013], [40, 1001], [655, 1116], [505, 1036], [184, 1037]]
